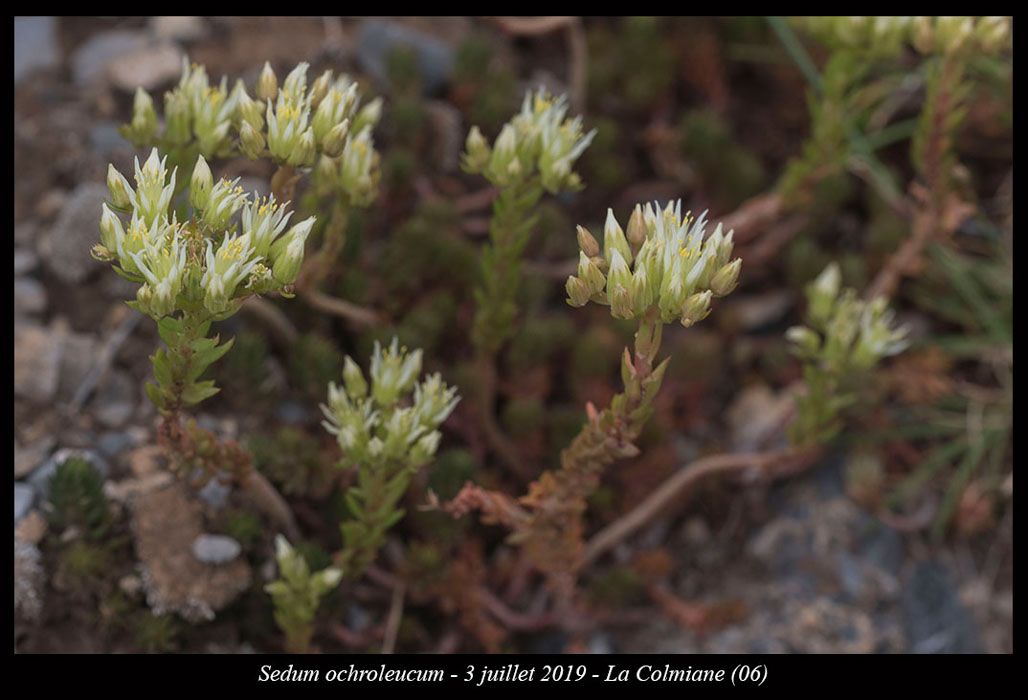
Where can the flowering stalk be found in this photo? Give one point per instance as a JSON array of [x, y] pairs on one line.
[[385, 441], [296, 594]]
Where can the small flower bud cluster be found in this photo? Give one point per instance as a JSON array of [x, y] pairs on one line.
[[885, 36], [296, 592], [662, 261], [198, 264], [377, 424], [850, 334], [537, 140]]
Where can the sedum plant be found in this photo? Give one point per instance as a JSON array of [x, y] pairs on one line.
[[296, 594], [386, 433], [844, 339]]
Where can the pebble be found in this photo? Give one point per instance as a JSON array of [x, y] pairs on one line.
[[378, 38], [25, 260], [65, 250], [216, 549], [29, 296], [24, 497], [177, 28], [37, 361], [215, 494], [115, 403], [90, 61], [149, 67], [935, 619], [29, 581], [26, 459], [114, 443], [144, 460], [31, 528], [35, 45]]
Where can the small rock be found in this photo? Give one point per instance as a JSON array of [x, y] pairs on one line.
[[114, 443], [378, 38], [90, 61], [127, 489], [79, 352], [601, 643], [178, 28], [758, 312], [165, 524], [144, 461], [754, 413], [936, 621], [37, 360], [216, 549], [24, 497], [31, 528], [35, 45], [26, 459], [29, 296], [65, 251], [29, 581], [148, 68], [291, 412], [357, 617], [25, 260], [116, 401], [215, 494], [105, 139]]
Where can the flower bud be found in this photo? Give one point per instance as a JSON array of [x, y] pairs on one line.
[[621, 303], [356, 385], [200, 185], [614, 239], [821, 294], [303, 152], [144, 117], [119, 187], [369, 115], [725, 279], [578, 292], [590, 274], [319, 88], [619, 274], [641, 291], [806, 341], [250, 111], [696, 308], [251, 141], [992, 33], [335, 140], [178, 115], [587, 243], [267, 84], [476, 151], [111, 230], [636, 233], [287, 252]]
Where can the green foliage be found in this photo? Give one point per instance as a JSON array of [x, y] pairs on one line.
[[314, 361], [290, 458], [296, 594], [632, 61], [244, 526], [845, 339], [156, 634], [77, 499]]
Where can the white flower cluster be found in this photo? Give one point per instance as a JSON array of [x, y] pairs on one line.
[[886, 35], [852, 333], [198, 264], [663, 261], [380, 426], [538, 139]]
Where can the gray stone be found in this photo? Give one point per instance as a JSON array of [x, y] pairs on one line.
[[90, 61], [215, 494], [149, 67], [25, 260], [178, 28], [216, 549], [935, 619], [29, 296], [758, 312], [29, 581], [601, 643], [35, 45], [78, 354], [27, 458], [65, 250], [291, 412], [105, 139], [378, 38], [37, 361], [24, 497], [115, 403], [114, 443]]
